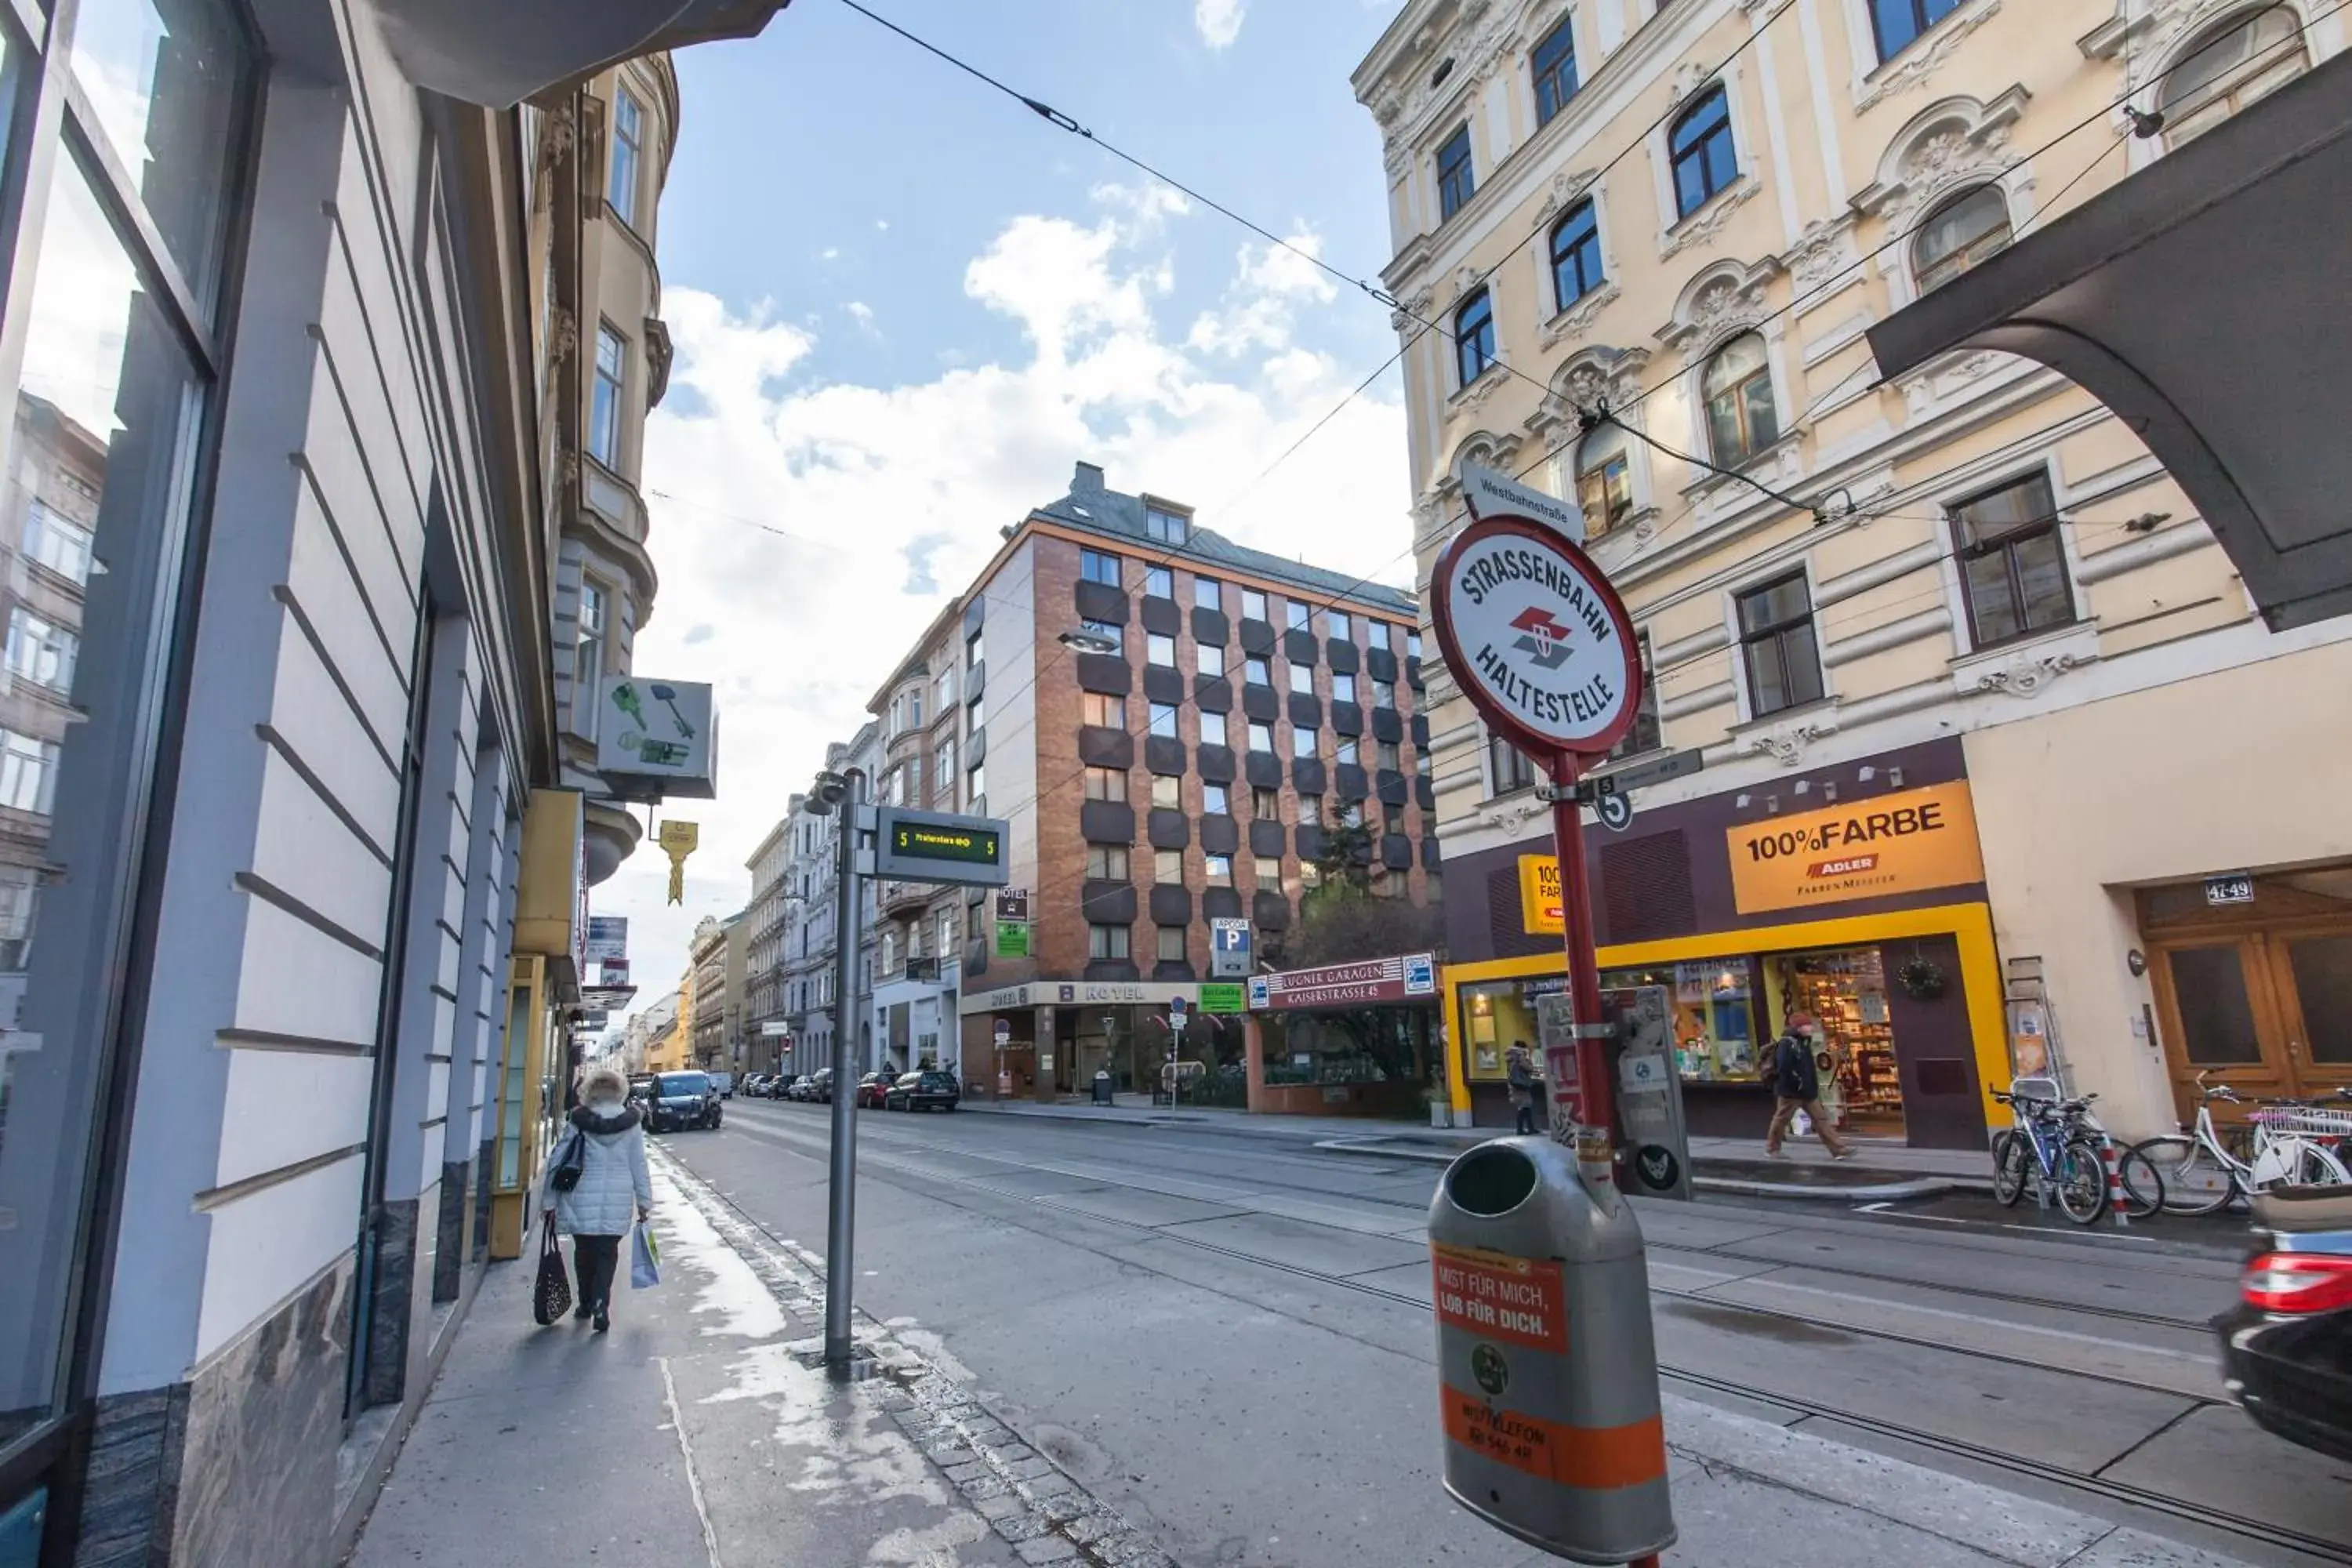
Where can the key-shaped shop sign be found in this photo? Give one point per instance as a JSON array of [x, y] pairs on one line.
[[677, 840]]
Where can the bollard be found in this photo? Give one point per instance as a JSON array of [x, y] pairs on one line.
[[2118, 1201], [1548, 1376]]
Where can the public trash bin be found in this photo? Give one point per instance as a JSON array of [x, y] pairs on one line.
[[1548, 1374], [1102, 1087]]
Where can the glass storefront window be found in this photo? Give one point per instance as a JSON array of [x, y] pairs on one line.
[[1846, 990], [1377, 1045], [96, 488], [1712, 1003], [1496, 1015], [165, 79]]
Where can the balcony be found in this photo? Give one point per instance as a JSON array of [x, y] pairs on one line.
[[902, 898]]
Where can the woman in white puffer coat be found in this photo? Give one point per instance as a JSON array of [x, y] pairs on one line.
[[613, 1191]]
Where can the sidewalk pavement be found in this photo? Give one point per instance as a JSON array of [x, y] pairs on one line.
[[1880, 1168], [696, 1432]]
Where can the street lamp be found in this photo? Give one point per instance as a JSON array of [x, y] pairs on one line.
[[1086, 642]]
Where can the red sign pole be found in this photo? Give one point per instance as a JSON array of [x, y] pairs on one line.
[[1596, 1106]]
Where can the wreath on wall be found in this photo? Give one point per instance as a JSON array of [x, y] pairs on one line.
[[1923, 979]]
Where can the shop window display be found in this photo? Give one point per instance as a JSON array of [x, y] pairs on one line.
[[1847, 991], [1713, 1007], [1495, 1017]]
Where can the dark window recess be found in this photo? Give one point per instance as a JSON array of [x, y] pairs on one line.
[[1269, 912], [974, 613], [1313, 840], [975, 749], [1107, 822], [1220, 834], [1429, 854], [1392, 787], [1457, 182], [1109, 903], [1212, 694], [975, 958], [1103, 672], [1553, 66], [1101, 748], [1171, 969], [1474, 337], [1113, 969], [1380, 663], [1300, 647], [1221, 904], [1307, 772], [1396, 852], [1305, 711], [1170, 829], [1412, 675], [1576, 268], [1776, 645], [1101, 602], [1425, 792], [1645, 888], [1388, 724], [975, 682], [1265, 838], [1163, 755], [1420, 731], [1263, 770], [1258, 637], [1898, 22], [1162, 616], [1263, 704], [1347, 719], [1210, 628], [1345, 656], [1214, 764], [1162, 684], [2013, 565], [1350, 782], [1172, 904]]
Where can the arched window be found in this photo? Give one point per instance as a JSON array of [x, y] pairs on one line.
[[1575, 255], [1741, 420], [1963, 232], [2231, 66], [1700, 148], [1604, 479], [1473, 336]]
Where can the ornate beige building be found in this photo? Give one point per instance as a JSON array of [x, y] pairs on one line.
[[1650, 239]]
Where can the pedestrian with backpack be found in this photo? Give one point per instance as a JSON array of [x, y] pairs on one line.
[[1519, 1067], [1796, 1082]]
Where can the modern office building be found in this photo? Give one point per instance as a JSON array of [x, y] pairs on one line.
[[1958, 615]]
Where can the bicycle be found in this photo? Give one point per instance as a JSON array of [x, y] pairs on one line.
[[2290, 1147], [2049, 1147]]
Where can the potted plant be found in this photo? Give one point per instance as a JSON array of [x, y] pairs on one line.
[[1440, 1101]]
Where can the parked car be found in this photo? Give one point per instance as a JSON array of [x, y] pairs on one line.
[[872, 1087], [680, 1100], [800, 1089], [754, 1085], [923, 1091], [821, 1085], [2286, 1347], [725, 1083], [642, 1087], [780, 1086]]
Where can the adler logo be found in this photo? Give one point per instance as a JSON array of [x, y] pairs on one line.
[[1546, 643]]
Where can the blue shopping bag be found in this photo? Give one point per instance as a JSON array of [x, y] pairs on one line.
[[645, 1259]]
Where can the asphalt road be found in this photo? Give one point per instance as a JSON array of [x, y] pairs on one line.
[[1225, 1332]]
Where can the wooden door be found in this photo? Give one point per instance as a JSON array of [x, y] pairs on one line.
[[2311, 971], [2220, 1015]]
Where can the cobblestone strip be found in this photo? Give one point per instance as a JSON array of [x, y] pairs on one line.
[[1027, 1498]]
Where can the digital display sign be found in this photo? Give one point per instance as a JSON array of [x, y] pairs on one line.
[[973, 846], [940, 847]]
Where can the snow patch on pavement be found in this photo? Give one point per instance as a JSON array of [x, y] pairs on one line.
[[730, 1293]]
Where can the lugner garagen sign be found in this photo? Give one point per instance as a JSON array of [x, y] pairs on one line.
[[1528, 624]]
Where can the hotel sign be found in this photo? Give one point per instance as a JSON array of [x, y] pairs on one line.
[[1904, 843]]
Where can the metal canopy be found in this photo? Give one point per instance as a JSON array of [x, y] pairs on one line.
[[2207, 300], [497, 55]]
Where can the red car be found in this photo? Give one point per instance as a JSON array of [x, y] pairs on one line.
[[872, 1088]]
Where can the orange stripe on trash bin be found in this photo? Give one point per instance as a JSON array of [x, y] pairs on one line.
[[1594, 1458]]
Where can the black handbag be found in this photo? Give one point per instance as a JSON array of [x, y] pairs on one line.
[[552, 1297], [574, 1158]]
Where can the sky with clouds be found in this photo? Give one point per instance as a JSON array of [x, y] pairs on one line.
[[904, 306]]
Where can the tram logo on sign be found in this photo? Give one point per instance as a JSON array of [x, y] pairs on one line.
[[1547, 640]]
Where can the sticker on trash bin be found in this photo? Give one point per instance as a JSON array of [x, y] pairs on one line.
[[1493, 1372], [1517, 1299], [1592, 1458]]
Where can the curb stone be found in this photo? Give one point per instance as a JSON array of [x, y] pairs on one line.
[[1044, 1513]]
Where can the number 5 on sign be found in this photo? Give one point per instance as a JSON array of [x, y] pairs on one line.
[[677, 840]]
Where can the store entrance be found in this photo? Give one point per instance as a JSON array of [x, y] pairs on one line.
[[1846, 990]]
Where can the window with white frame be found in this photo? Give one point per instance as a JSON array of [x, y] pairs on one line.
[[28, 770], [1897, 23], [2242, 58], [1168, 527], [1158, 583], [1778, 645], [40, 650], [1105, 942], [1474, 337], [1552, 64], [1107, 862], [605, 397], [588, 659], [1172, 944], [1209, 658], [58, 542], [1741, 418], [1604, 479], [1208, 593], [1701, 151], [1576, 268], [625, 176], [1508, 766], [1457, 182]]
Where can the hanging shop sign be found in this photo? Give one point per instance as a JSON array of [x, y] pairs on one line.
[[1540, 899], [1902, 843], [1538, 640], [1397, 979], [678, 840], [1012, 939], [608, 938], [1216, 998], [658, 738]]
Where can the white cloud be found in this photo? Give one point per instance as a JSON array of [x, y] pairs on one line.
[[883, 224], [829, 253], [883, 490], [1219, 21]]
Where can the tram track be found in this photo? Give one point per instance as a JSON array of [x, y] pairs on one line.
[[2090, 1483]]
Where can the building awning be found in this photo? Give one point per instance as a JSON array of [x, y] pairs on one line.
[[2203, 300], [497, 55]]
